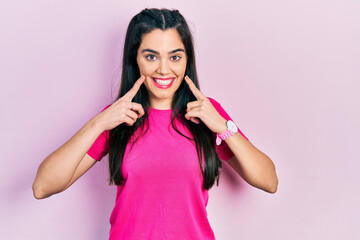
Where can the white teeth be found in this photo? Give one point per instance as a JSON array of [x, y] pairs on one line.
[[163, 82]]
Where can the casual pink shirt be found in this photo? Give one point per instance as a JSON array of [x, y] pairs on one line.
[[162, 195]]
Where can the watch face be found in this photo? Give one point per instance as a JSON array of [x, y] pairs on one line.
[[231, 125]]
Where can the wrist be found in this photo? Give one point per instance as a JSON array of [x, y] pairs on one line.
[[231, 129], [97, 124], [222, 129]]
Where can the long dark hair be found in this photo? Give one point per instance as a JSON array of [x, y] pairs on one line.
[[142, 23]]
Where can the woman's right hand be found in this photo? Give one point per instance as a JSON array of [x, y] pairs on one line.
[[123, 110]]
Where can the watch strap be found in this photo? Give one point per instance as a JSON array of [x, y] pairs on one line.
[[228, 133]]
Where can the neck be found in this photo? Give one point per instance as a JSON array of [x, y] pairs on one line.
[[160, 104]]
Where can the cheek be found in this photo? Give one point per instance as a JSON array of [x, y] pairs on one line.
[[145, 68], [148, 79], [179, 69]]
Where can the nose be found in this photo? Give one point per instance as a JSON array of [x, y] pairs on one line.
[[163, 67]]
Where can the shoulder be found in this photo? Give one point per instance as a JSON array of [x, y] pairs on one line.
[[219, 108], [106, 107], [213, 101]]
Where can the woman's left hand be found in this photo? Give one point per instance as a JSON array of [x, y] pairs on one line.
[[203, 110]]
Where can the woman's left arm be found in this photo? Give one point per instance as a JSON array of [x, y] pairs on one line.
[[255, 167], [251, 164]]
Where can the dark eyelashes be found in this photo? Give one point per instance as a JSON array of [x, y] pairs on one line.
[[178, 57], [152, 57]]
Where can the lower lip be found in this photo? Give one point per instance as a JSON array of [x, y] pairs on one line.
[[163, 86]]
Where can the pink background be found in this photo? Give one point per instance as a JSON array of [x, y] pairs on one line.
[[287, 72]]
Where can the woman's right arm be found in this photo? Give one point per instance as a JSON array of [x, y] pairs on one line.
[[69, 162], [57, 170]]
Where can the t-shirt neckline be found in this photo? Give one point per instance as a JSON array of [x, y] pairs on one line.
[[155, 110]]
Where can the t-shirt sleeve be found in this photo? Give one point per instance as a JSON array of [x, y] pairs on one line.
[[223, 149], [101, 145]]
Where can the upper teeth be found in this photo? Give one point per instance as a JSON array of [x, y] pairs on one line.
[[163, 82]]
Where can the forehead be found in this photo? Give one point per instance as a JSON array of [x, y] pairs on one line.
[[162, 40]]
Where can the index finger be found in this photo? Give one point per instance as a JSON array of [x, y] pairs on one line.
[[194, 89], [132, 92]]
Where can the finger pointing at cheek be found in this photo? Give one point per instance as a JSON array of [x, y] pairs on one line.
[[194, 89]]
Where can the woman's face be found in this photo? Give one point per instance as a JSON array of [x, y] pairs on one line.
[[161, 58]]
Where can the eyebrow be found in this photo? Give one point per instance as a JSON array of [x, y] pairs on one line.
[[171, 52]]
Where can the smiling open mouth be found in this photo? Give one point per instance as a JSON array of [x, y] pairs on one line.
[[163, 82]]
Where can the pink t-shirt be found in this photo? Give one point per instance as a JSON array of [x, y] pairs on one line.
[[162, 195]]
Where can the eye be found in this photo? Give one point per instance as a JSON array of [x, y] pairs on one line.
[[175, 58], [151, 57]]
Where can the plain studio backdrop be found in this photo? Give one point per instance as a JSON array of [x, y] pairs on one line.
[[287, 72]]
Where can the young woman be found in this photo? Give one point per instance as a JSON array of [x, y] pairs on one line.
[[164, 137]]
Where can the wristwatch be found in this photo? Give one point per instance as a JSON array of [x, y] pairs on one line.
[[231, 130]]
